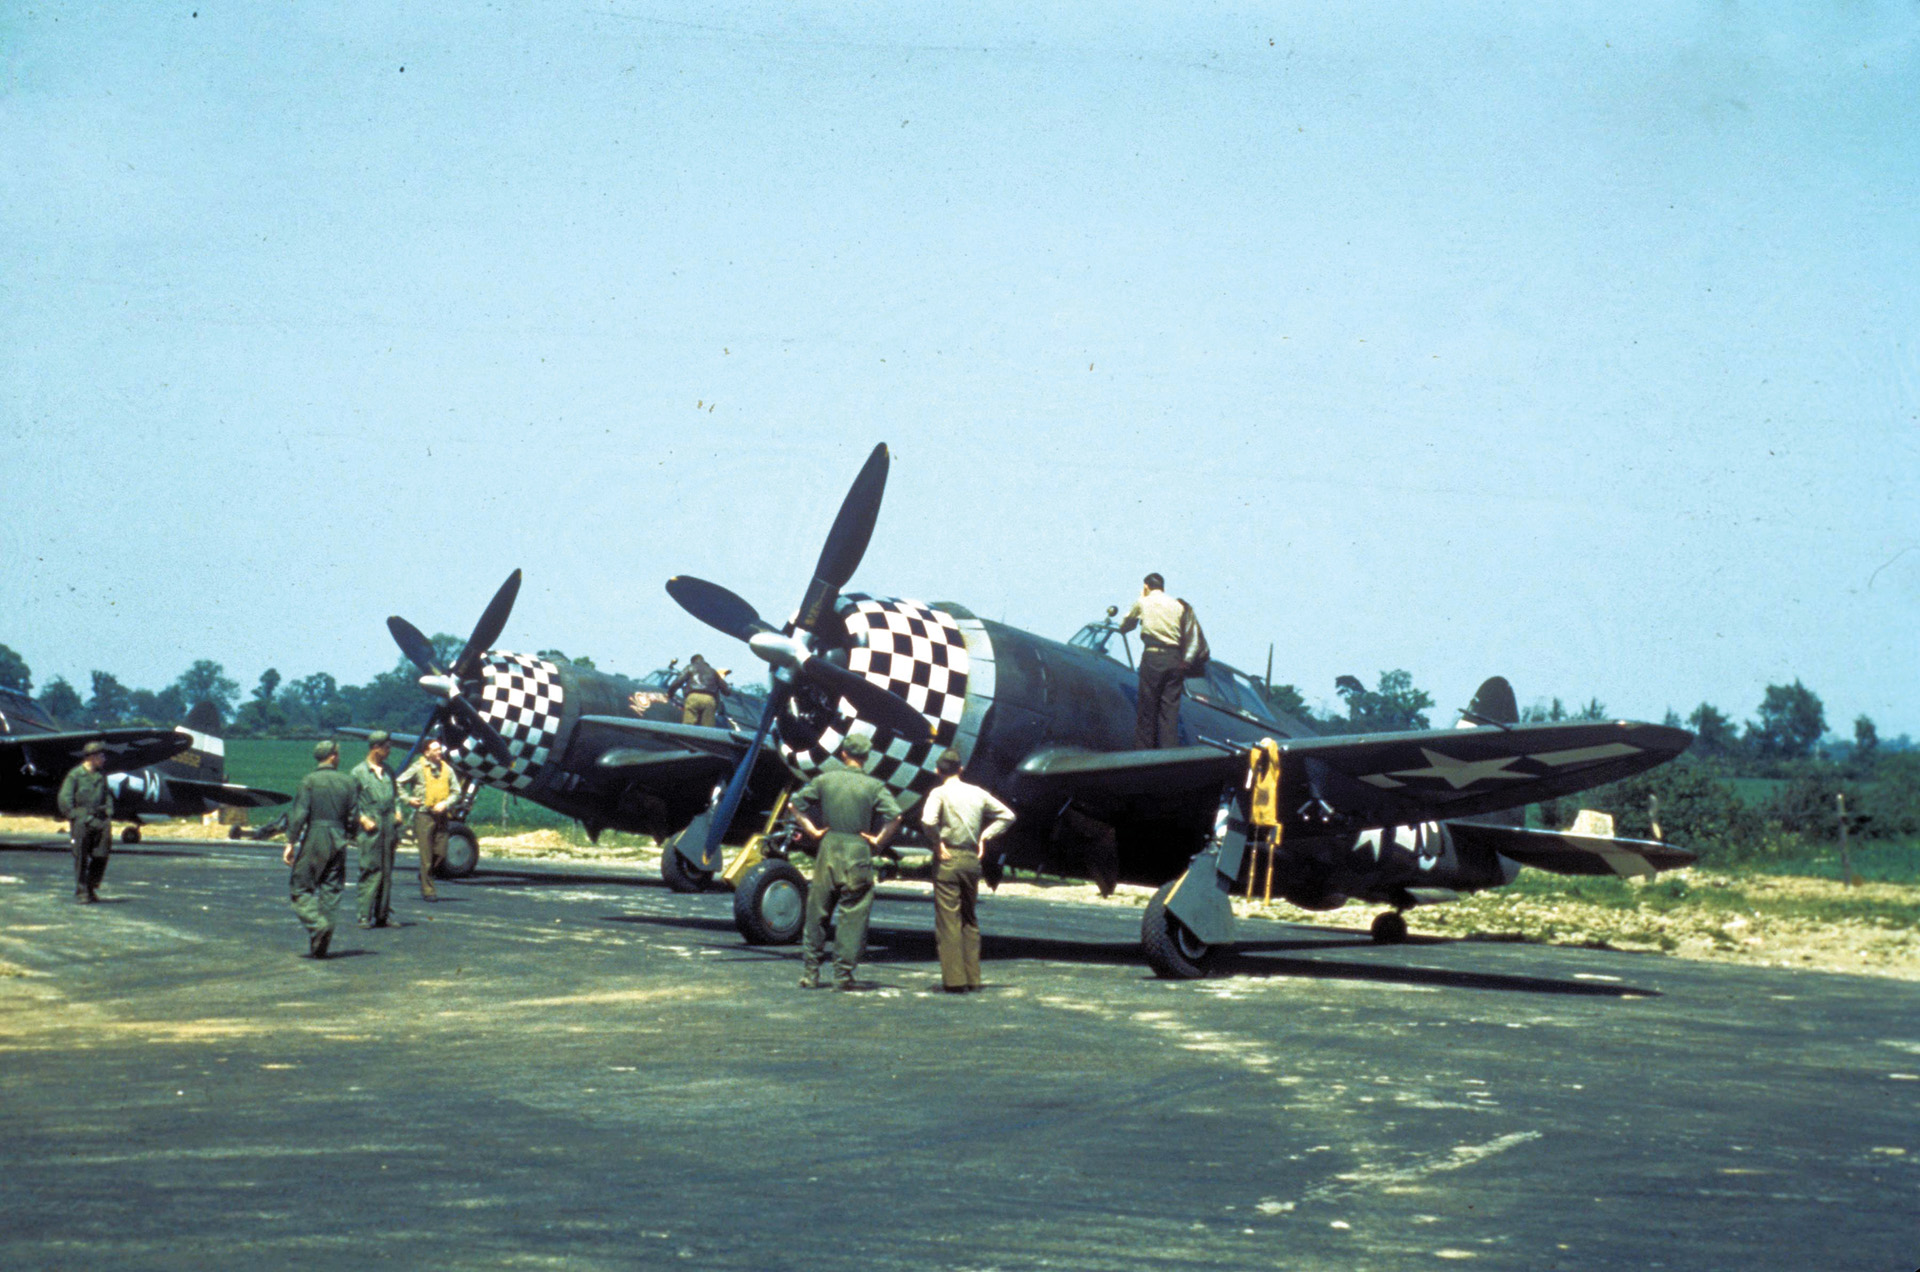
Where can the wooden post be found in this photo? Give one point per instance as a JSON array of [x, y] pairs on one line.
[[1846, 861]]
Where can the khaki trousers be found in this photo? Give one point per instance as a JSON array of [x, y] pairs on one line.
[[430, 833], [956, 928]]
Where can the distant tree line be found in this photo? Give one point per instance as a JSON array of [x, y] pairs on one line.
[[274, 707]]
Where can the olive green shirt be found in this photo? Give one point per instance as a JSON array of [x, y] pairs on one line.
[[85, 796], [375, 794], [322, 805], [848, 799]]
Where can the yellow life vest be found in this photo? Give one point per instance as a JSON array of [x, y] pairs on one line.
[[1263, 784], [435, 785]]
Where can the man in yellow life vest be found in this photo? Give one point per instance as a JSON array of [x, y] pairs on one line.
[[430, 788]]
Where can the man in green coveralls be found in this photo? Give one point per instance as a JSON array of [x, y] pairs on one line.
[[848, 801], [317, 845], [376, 825], [87, 805]]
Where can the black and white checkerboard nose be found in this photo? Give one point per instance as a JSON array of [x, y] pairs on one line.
[[521, 697], [916, 653]]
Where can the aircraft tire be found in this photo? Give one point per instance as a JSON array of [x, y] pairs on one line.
[[463, 852], [770, 904], [131, 835], [1389, 928], [236, 832], [680, 874], [1172, 951]]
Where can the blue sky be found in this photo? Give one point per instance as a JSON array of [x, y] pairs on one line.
[[1578, 346]]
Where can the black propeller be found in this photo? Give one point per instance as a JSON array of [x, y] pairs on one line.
[[793, 661], [446, 681]]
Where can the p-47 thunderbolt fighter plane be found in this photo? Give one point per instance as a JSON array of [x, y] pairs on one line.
[[1396, 819], [152, 772]]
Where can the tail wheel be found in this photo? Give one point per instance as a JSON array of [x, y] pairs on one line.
[[131, 835], [770, 904], [463, 852], [1389, 928], [1173, 951], [680, 874]]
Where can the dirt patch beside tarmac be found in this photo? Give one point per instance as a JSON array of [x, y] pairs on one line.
[[1762, 920]]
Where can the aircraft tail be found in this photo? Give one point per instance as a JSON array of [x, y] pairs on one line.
[[1579, 851], [1493, 704], [206, 759]]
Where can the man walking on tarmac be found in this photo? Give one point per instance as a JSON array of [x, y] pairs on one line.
[[376, 816], [961, 819], [842, 890], [86, 804], [430, 788], [317, 845]]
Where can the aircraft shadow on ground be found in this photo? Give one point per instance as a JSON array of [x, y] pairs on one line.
[[494, 877], [65, 849], [890, 945]]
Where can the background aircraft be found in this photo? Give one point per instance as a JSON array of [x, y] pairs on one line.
[[1397, 819], [153, 772]]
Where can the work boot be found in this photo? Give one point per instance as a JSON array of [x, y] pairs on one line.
[[317, 943], [82, 896], [810, 978]]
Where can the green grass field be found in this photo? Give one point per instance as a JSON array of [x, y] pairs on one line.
[[279, 765]]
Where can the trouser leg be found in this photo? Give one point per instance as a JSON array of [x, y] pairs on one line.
[[383, 900], [969, 884], [813, 936], [947, 925], [372, 875], [333, 882], [850, 925], [430, 834], [1156, 719], [81, 869]]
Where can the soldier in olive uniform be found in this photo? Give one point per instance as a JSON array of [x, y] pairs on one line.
[[317, 845], [87, 805], [848, 801], [376, 824], [430, 788]]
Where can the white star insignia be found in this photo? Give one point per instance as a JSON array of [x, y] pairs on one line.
[[1459, 773]]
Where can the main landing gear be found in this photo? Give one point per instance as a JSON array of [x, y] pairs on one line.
[[131, 835], [1389, 928], [1172, 950], [770, 903]]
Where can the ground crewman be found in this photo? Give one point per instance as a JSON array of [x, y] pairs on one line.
[[430, 788], [704, 685], [317, 845], [86, 804], [1156, 718], [376, 825], [961, 820], [860, 815]]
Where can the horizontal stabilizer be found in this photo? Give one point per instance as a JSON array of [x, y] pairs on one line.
[[1564, 852]]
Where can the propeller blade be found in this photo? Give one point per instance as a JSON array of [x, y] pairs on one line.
[[870, 702], [717, 607], [847, 541], [478, 726], [414, 645], [737, 784], [488, 629]]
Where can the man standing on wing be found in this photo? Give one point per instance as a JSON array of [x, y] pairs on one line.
[[961, 819], [1156, 719]]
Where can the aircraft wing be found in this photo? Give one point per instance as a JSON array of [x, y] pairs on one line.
[[1356, 782], [228, 793], [52, 754], [662, 735], [404, 741]]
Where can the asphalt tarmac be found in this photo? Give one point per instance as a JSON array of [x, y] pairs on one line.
[[564, 1066]]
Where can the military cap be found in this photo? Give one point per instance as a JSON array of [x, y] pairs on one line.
[[325, 748], [95, 747], [858, 746], [379, 737]]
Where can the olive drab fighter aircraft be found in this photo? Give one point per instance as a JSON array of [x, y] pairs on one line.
[[152, 772], [563, 736], [1394, 819]]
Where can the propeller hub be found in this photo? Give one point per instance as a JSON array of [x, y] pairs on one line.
[[441, 686], [779, 650]]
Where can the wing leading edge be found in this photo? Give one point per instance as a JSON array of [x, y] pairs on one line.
[[1369, 780]]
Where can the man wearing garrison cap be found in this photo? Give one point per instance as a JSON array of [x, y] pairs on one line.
[[376, 827], [86, 804], [860, 815], [317, 845]]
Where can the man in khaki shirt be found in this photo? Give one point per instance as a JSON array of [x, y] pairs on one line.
[[961, 819], [1163, 676]]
